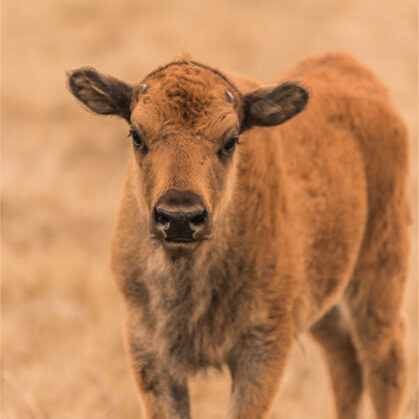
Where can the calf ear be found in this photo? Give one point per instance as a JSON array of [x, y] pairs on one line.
[[102, 94], [268, 106]]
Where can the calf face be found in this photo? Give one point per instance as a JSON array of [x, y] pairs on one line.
[[185, 121]]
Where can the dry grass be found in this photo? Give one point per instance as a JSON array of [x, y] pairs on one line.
[[62, 173]]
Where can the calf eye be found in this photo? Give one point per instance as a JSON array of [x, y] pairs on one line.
[[137, 142], [229, 147]]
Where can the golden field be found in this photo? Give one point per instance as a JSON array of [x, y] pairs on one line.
[[63, 169]]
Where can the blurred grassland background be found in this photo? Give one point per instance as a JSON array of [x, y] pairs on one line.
[[62, 176]]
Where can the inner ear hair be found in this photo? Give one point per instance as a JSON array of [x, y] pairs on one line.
[[103, 94]]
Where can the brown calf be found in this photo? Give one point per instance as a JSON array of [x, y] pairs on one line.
[[237, 233]]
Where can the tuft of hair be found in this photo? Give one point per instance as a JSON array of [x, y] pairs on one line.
[[185, 56]]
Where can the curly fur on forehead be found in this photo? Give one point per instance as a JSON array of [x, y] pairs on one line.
[[192, 89], [198, 68]]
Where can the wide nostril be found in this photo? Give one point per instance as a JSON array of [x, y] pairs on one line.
[[198, 219], [162, 217]]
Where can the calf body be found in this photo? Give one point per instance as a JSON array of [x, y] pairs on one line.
[[239, 230]]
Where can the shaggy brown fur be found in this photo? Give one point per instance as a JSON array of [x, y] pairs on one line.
[[306, 230]]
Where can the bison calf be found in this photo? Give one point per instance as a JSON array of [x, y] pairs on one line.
[[253, 213]]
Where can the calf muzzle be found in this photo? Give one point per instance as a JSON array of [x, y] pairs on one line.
[[180, 217]]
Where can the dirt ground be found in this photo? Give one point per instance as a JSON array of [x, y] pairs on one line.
[[63, 169]]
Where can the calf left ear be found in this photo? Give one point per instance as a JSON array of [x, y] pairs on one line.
[[268, 106], [102, 94]]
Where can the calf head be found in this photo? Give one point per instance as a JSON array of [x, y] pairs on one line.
[[185, 120]]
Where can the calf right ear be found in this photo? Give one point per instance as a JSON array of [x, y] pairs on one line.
[[268, 106], [102, 94]]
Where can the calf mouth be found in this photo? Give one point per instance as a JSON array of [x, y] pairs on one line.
[[179, 247], [180, 240]]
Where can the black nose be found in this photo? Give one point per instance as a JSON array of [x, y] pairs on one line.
[[180, 216]]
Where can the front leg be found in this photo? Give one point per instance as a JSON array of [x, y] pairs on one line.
[[163, 396], [256, 364]]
